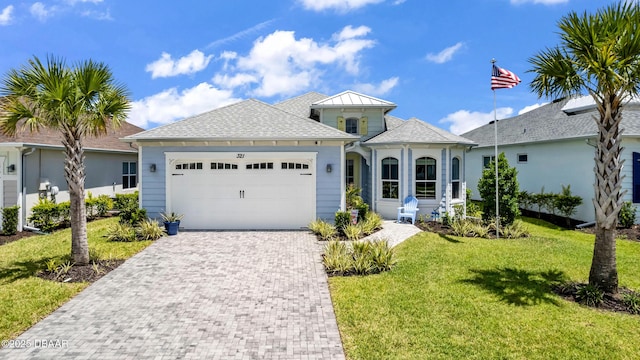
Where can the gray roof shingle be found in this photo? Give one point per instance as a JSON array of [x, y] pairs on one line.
[[246, 120], [414, 131], [301, 105], [549, 123], [392, 121]]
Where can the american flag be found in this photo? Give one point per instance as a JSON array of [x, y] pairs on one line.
[[503, 79]]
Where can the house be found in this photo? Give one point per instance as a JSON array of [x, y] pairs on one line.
[[252, 165], [554, 145], [32, 166]]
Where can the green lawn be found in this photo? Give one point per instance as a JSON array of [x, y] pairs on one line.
[[467, 298], [25, 298]]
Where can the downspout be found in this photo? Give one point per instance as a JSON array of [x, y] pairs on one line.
[[23, 189]]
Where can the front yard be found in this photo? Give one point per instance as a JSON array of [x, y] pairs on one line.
[[468, 298], [25, 298]]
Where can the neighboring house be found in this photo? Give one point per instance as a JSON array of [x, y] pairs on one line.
[[252, 165], [33, 166], [554, 145]]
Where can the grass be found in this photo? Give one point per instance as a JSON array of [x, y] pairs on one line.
[[470, 298], [25, 298]]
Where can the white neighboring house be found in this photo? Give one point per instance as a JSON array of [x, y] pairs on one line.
[[32, 166], [554, 145]]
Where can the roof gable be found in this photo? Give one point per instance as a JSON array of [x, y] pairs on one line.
[[353, 99], [245, 120], [416, 131]]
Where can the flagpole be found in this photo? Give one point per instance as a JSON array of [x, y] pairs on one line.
[[495, 133]]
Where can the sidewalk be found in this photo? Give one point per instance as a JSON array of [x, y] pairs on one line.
[[395, 233]]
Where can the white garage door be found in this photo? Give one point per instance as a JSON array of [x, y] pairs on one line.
[[243, 191]]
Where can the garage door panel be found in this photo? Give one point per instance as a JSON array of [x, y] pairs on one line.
[[254, 194]]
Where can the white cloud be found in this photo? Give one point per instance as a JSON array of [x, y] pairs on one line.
[[543, 2], [530, 107], [171, 104], [398, 2], [73, 2], [377, 90], [284, 65], [5, 15], [240, 34], [338, 5], [463, 120], [445, 55], [40, 11], [166, 66], [98, 15]]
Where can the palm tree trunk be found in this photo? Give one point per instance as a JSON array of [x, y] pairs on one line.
[[608, 199], [74, 173]]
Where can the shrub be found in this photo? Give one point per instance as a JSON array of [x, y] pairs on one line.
[[64, 213], [525, 199], [149, 230], [627, 215], [336, 258], [590, 295], [479, 230], [45, 215], [371, 223], [458, 212], [363, 210], [515, 230], [567, 203], [315, 226], [382, 256], [508, 191], [632, 301], [352, 232], [446, 219], [121, 232], [327, 231], [462, 228], [342, 219], [123, 201], [103, 204], [362, 258], [10, 220], [132, 215]]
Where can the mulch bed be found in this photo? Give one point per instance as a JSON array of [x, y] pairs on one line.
[[611, 302], [86, 273], [5, 239]]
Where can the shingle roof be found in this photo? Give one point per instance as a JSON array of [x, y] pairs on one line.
[[393, 122], [415, 131], [549, 123], [352, 99], [246, 120], [48, 137], [301, 105]]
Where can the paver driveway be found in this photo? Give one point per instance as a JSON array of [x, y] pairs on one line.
[[199, 295]]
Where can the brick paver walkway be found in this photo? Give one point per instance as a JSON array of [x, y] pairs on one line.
[[199, 295]]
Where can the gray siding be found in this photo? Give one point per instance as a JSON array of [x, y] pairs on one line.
[[153, 187], [9, 193], [102, 169]]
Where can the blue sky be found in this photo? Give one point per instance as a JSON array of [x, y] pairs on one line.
[[181, 58]]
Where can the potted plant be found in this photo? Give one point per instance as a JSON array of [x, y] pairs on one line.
[[171, 222]]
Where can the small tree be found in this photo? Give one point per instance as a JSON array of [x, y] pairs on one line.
[[508, 191], [567, 203]]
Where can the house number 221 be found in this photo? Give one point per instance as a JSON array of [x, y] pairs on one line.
[[240, 156]]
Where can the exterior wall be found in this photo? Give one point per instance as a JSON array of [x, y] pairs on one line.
[[103, 174], [407, 156], [550, 165], [376, 123], [328, 185]]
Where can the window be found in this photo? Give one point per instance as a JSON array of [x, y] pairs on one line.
[[350, 178], [260, 166], [389, 178], [223, 166], [293, 166], [351, 126], [129, 174], [455, 178], [486, 160], [426, 178], [523, 158], [189, 166]]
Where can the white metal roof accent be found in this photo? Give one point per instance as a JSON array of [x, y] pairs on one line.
[[353, 99]]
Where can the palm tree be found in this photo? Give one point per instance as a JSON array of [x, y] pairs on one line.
[[599, 54], [81, 101]]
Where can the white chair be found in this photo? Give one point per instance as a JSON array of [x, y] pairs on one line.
[[409, 209]]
